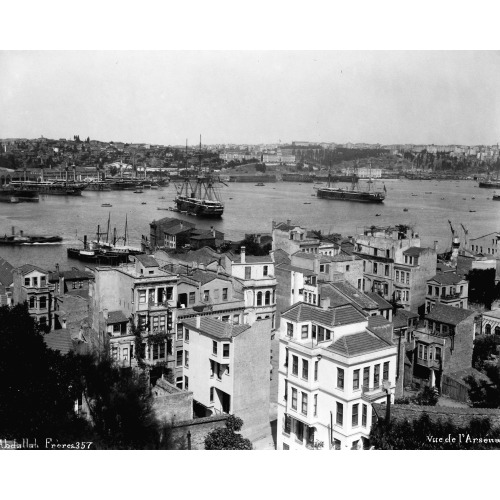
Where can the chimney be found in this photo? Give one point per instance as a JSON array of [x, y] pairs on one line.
[[435, 245], [257, 238], [57, 267], [325, 303], [243, 255], [181, 225], [288, 222], [64, 323], [198, 321]]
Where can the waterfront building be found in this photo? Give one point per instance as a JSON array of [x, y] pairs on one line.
[[448, 288], [395, 266], [293, 238], [168, 232], [226, 367], [331, 368], [444, 345], [487, 244]]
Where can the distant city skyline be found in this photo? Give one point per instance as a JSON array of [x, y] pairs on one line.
[[253, 97]]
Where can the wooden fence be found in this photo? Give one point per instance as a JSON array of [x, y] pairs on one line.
[[454, 389]]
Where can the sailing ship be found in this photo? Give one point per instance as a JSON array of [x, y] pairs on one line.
[[490, 183], [199, 195], [354, 193]]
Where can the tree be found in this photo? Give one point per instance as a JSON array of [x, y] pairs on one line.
[[426, 434], [482, 289], [485, 348], [36, 394], [227, 438], [485, 393]]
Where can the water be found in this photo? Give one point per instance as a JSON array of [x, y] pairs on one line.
[[250, 209]]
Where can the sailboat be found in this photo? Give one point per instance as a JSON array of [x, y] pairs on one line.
[[117, 245], [199, 195]]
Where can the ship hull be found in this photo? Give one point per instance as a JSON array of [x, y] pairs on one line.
[[29, 240], [56, 188], [356, 196], [6, 195], [199, 208], [489, 185]]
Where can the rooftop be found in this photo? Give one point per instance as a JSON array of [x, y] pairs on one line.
[[59, 340], [400, 319], [381, 302], [415, 251], [28, 268], [147, 260], [116, 317], [377, 321], [355, 295], [449, 278], [215, 327], [449, 314], [341, 315], [358, 343], [6, 272]]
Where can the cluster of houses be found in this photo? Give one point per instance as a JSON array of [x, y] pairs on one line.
[[317, 334]]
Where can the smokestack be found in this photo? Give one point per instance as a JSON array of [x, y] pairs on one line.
[[85, 242], [243, 255], [13, 230], [57, 267]]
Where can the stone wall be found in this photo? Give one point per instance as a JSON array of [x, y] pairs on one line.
[[191, 434]]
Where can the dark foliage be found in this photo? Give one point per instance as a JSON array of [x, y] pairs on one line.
[[484, 349], [485, 393], [482, 289], [425, 434], [228, 438], [253, 248]]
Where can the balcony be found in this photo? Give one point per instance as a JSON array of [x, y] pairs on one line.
[[434, 364], [372, 393]]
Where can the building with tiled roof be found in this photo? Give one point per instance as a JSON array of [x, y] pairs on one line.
[[448, 288], [445, 343], [226, 367], [333, 364]]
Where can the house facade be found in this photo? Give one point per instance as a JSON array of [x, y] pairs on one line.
[[331, 367]]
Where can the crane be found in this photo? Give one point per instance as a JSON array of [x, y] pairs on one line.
[[466, 234], [452, 230]]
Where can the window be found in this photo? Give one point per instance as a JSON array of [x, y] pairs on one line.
[[224, 293], [286, 447], [186, 335], [375, 269], [225, 350], [289, 329], [294, 398], [288, 424], [186, 359], [376, 376], [315, 405], [43, 302], [162, 350], [214, 347], [186, 383], [359, 284], [267, 298], [35, 281], [385, 375], [364, 416], [299, 430], [355, 415], [26, 282], [178, 382], [32, 302], [236, 319], [366, 376], [211, 394], [305, 331], [295, 365], [316, 365], [347, 268], [206, 295], [304, 403], [212, 368], [179, 332], [142, 296], [407, 282], [266, 270], [305, 369], [438, 353], [248, 272], [420, 351], [192, 298], [74, 285], [321, 268], [340, 378], [259, 298], [179, 358], [386, 270], [340, 414], [355, 379]]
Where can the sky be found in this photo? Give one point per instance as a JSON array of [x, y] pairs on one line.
[[252, 97]]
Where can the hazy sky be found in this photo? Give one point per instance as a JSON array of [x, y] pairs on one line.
[[252, 96]]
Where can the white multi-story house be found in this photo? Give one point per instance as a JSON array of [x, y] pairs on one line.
[[226, 367], [331, 368]]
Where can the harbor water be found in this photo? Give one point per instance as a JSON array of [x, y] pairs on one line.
[[249, 209]]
